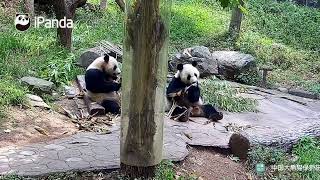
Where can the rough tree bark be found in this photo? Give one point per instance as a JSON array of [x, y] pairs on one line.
[[235, 23], [66, 8], [103, 4], [29, 7], [121, 4], [143, 85]]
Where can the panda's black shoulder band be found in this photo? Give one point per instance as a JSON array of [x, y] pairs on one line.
[[180, 67], [106, 58], [194, 63]]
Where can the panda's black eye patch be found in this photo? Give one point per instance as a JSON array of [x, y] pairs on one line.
[[189, 77], [195, 74], [20, 18], [115, 67]]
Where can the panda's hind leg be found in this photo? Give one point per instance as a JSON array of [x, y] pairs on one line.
[[211, 113], [111, 106]]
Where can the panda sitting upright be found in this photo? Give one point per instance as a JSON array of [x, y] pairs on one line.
[[184, 90], [101, 84]]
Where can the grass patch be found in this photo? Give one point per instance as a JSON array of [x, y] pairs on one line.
[[281, 34], [10, 94], [195, 22], [222, 94], [306, 153]]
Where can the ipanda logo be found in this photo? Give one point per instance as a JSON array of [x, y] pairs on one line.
[[22, 22]]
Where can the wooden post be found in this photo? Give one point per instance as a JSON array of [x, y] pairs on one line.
[[265, 70], [144, 75], [235, 22]]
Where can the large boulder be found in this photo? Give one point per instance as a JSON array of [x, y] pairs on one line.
[[233, 63], [207, 65], [89, 55], [38, 85]]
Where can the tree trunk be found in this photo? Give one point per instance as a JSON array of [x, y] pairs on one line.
[[121, 4], [235, 23], [144, 80], [103, 4], [29, 7], [66, 9]]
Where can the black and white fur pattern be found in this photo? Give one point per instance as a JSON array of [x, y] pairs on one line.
[[186, 81], [186, 78], [101, 82]]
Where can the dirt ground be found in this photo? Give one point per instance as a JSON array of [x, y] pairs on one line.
[[22, 123], [20, 127], [208, 164]]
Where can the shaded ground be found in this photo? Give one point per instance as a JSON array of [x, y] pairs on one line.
[[202, 163], [209, 164], [22, 124]]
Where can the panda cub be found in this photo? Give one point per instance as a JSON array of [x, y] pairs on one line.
[[101, 84], [185, 91]]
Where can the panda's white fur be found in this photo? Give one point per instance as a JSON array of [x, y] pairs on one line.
[[22, 19], [188, 69], [100, 64], [108, 68], [182, 76]]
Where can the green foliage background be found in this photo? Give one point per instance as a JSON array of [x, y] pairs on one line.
[[279, 34]]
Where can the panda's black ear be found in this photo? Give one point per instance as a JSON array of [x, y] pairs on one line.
[[194, 63], [180, 67], [106, 58], [113, 54]]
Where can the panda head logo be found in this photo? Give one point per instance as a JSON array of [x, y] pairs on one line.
[[22, 22]]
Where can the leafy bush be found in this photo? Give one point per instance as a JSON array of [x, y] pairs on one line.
[[223, 95]]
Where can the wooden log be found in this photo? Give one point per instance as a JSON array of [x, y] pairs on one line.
[[93, 107]]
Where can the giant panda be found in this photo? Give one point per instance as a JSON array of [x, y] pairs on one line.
[[185, 91], [101, 82]]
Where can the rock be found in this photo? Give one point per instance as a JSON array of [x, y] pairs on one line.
[[37, 84], [206, 64], [282, 89], [70, 91], [36, 101], [302, 93], [233, 63], [104, 47]]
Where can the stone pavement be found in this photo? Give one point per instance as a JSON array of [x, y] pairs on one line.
[[280, 120], [83, 151]]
